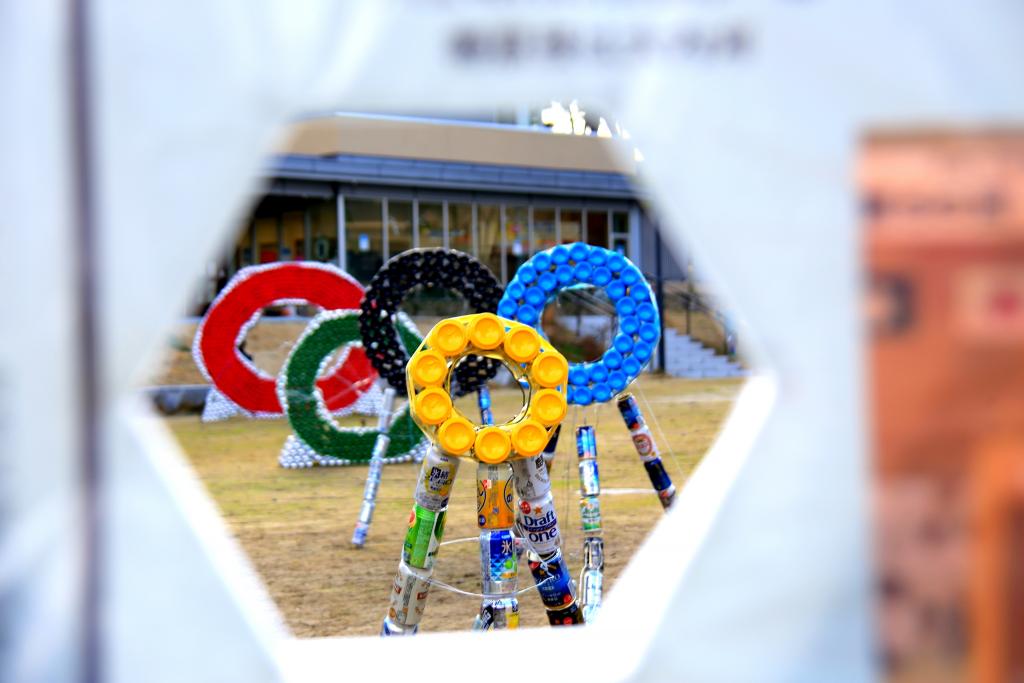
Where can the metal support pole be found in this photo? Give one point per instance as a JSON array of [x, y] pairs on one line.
[[659, 295]]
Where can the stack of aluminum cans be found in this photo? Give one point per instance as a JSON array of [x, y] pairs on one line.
[[422, 540], [498, 561], [592, 575], [373, 472], [537, 524], [643, 441]]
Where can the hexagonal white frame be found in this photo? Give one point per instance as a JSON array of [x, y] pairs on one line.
[[760, 570]]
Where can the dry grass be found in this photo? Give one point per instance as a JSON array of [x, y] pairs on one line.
[[295, 525]]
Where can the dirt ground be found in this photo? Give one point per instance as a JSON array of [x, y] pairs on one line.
[[295, 525]]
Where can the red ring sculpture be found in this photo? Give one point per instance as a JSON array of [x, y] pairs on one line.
[[235, 310]]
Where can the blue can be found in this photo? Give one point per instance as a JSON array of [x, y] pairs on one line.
[[586, 442], [660, 480], [499, 562], [555, 585], [630, 411]]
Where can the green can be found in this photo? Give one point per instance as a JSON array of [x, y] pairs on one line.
[[426, 527], [590, 511]]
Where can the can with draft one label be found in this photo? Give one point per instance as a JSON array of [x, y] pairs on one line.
[[551, 575], [538, 523], [494, 496], [426, 528], [408, 596], [437, 475], [498, 561]]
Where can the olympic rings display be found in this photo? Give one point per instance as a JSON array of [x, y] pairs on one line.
[[448, 268], [528, 357], [305, 407], [237, 308], [540, 278]]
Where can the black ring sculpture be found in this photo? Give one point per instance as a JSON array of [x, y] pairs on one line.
[[436, 267]]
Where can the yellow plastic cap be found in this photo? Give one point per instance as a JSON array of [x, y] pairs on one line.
[[492, 445], [487, 331], [428, 368], [550, 370], [448, 337], [433, 406], [529, 437], [522, 344], [548, 407], [456, 435]]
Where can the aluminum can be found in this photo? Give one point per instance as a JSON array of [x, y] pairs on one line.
[[661, 482], [549, 450], [437, 475], [494, 496], [504, 613], [643, 442], [359, 535], [498, 561], [586, 442], [531, 477], [590, 513], [593, 553], [538, 523], [426, 528], [591, 584], [408, 596], [566, 616], [590, 479], [554, 583], [484, 401], [390, 628], [630, 411]]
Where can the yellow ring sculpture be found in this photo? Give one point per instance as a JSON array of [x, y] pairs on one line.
[[528, 357]]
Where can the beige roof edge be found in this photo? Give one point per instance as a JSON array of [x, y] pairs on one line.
[[455, 141]]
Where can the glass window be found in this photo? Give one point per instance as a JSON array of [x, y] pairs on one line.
[[293, 243], [243, 247], [543, 229], [570, 225], [431, 225], [620, 243], [364, 252], [516, 238], [325, 231], [266, 239], [399, 227], [620, 232], [460, 227], [620, 222], [597, 228], [489, 234]]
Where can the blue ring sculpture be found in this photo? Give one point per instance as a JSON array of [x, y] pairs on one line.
[[539, 279]]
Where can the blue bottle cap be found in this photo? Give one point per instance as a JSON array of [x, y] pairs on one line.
[[507, 308], [630, 325], [564, 274], [581, 396], [612, 359], [601, 276], [582, 272], [640, 292], [541, 261], [579, 251], [597, 256], [527, 314], [642, 351], [649, 332], [547, 281], [602, 392], [515, 290], [616, 262], [560, 254], [526, 273], [597, 372], [536, 297], [624, 307], [630, 276], [647, 312], [623, 343], [615, 290], [631, 366], [577, 375], [617, 380]]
